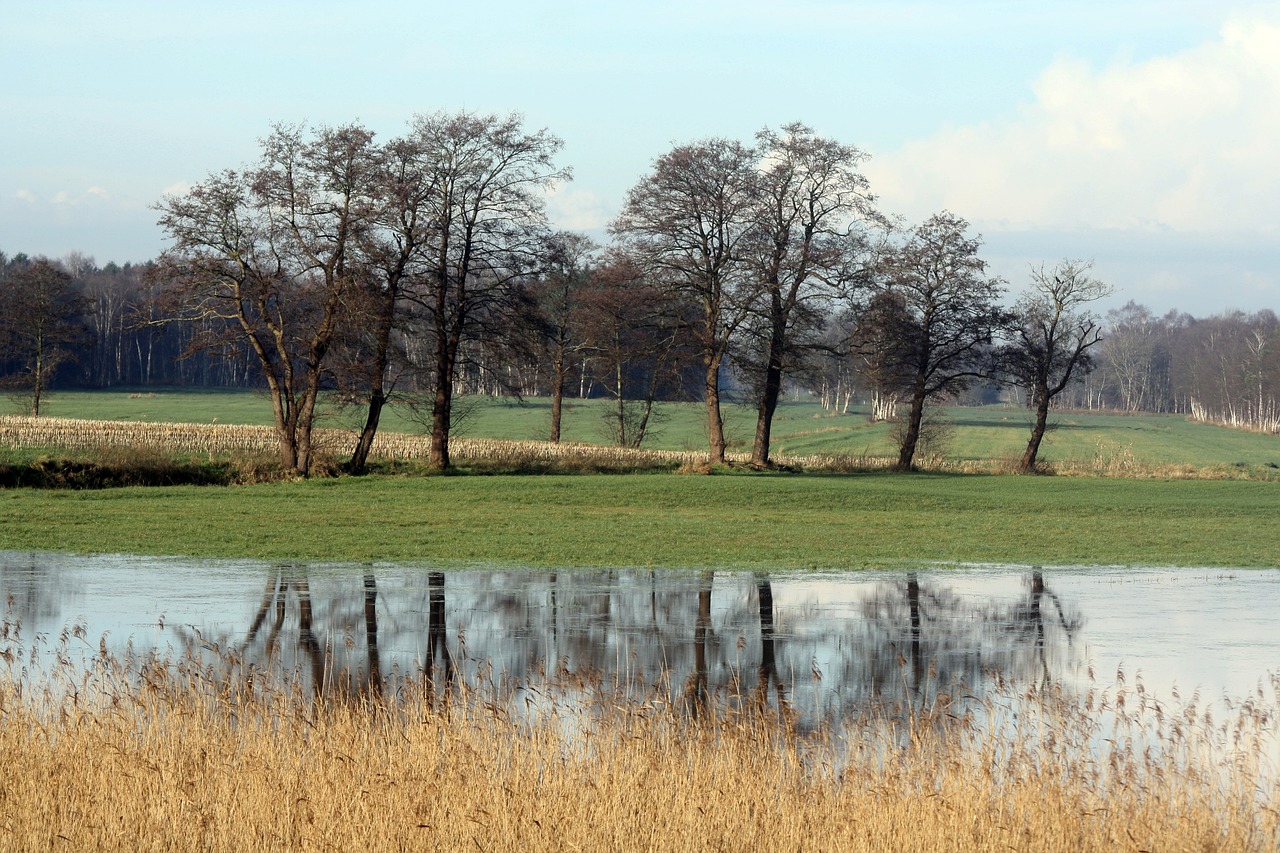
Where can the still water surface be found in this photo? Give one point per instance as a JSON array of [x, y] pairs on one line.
[[824, 644]]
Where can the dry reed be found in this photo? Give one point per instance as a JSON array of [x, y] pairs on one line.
[[180, 755]]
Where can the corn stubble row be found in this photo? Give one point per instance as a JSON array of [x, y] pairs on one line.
[[228, 439], [27, 432], [177, 757]]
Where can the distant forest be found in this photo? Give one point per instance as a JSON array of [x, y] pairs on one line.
[[1223, 369]]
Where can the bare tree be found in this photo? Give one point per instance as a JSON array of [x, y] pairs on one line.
[[558, 297], [878, 341], [689, 221], [1227, 369], [113, 295], [41, 327], [811, 199], [634, 337], [1052, 334], [392, 250], [266, 256], [486, 177], [952, 314], [1137, 357]]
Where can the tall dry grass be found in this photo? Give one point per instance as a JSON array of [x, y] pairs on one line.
[[250, 445], [117, 754], [27, 432]]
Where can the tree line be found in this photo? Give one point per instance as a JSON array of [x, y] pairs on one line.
[[423, 268]]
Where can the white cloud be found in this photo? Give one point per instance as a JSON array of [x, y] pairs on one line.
[[576, 209], [1188, 142], [26, 195], [92, 195]]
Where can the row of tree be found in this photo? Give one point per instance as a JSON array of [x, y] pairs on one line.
[[82, 325], [424, 267], [1224, 369]]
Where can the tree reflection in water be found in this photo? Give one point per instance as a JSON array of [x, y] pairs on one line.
[[769, 677], [437, 667], [1032, 620], [696, 691], [804, 652]]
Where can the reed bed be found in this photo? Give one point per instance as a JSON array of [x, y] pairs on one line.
[[123, 753]]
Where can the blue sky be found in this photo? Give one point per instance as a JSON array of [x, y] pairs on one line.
[[1144, 135]]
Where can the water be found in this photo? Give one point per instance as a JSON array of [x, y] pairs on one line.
[[820, 645]]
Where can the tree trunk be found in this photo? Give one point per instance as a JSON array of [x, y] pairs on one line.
[[907, 452], [37, 391], [306, 418], [715, 422], [1028, 463], [448, 339], [769, 395], [621, 412], [37, 388], [442, 409], [557, 395], [288, 448], [359, 462], [441, 412], [286, 434], [884, 407]]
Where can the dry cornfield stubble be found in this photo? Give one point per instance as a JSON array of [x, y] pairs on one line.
[[27, 432], [21, 432], [176, 755]]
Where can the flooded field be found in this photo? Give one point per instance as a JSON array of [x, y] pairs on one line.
[[966, 708], [818, 646]]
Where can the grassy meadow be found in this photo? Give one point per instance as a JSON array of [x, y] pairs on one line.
[[800, 428], [1161, 491], [773, 521]]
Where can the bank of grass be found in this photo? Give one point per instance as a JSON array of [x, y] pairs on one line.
[[195, 757], [115, 467], [767, 521]]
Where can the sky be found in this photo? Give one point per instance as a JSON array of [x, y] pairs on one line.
[[1144, 136]]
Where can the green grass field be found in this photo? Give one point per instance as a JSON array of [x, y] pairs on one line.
[[764, 521], [800, 428], [761, 520]]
